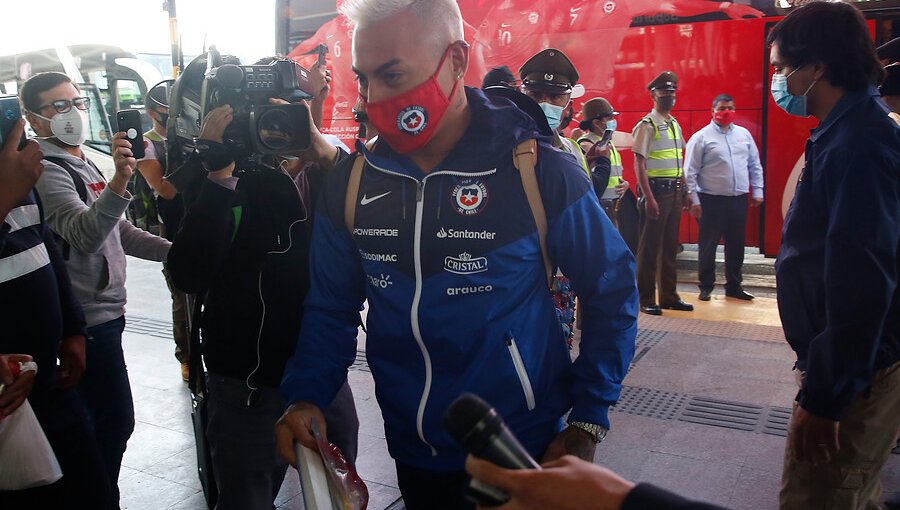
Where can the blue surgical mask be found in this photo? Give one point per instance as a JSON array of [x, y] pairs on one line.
[[553, 114], [612, 125], [794, 105]]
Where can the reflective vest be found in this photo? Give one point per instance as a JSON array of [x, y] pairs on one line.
[[615, 163], [666, 150], [568, 145]]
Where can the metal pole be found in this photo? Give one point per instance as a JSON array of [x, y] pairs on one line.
[[174, 39]]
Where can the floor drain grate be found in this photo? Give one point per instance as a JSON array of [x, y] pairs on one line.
[[776, 422], [649, 402], [361, 363], [722, 413], [148, 326]]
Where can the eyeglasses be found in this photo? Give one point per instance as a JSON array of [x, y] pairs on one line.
[[64, 105]]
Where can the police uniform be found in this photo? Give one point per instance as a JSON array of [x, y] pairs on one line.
[[658, 139], [599, 108], [551, 70]]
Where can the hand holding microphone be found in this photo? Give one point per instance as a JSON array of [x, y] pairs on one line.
[[482, 432]]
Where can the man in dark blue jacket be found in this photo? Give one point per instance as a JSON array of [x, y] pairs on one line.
[[42, 319], [838, 266], [444, 246]]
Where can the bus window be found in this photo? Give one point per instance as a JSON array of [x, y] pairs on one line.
[[99, 132]]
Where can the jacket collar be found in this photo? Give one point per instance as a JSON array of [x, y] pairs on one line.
[[848, 102]]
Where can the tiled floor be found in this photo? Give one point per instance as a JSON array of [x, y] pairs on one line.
[[735, 468]]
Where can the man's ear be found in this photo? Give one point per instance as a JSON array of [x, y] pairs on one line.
[[37, 124], [819, 70], [459, 58]]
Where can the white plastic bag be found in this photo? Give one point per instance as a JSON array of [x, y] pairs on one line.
[[26, 458]]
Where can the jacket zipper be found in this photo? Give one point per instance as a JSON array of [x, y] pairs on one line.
[[520, 371], [417, 296]]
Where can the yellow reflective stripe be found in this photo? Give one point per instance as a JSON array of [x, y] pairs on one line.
[[672, 172]]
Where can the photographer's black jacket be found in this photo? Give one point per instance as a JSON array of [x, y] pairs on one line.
[[249, 250]]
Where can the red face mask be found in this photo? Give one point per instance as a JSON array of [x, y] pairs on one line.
[[408, 121], [724, 117]]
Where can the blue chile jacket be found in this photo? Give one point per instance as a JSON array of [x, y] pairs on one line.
[[458, 302], [840, 255]]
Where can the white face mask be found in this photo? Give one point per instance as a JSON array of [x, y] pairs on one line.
[[69, 128]]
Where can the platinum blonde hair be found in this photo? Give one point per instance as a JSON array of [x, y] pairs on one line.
[[441, 17]]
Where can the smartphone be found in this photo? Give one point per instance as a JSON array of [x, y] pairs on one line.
[[10, 114], [607, 136], [129, 121]]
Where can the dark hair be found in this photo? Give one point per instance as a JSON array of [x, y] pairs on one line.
[[833, 34], [37, 85], [722, 98]]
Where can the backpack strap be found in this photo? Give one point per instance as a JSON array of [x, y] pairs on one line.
[[359, 164], [525, 159], [80, 188]]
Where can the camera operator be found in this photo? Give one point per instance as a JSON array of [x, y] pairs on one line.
[[244, 242]]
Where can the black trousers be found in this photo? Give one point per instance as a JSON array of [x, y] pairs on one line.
[[722, 218], [658, 246], [431, 490]]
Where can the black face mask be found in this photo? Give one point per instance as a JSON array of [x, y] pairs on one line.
[[666, 103], [163, 117]]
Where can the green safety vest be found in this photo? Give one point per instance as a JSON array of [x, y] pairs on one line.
[[615, 163], [666, 150], [569, 145]]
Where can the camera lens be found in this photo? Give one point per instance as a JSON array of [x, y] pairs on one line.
[[276, 130]]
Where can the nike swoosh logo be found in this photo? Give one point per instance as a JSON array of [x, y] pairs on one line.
[[366, 200]]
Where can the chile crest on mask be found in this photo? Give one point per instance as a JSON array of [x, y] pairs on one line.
[[408, 121]]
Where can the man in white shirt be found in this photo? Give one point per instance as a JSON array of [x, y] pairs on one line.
[[722, 167]]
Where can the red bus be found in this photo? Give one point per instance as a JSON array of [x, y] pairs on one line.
[[618, 47]]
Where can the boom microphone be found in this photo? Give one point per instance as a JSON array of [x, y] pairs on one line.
[[481, 431]]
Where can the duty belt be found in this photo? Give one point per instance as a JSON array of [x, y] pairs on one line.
[[666, 183]]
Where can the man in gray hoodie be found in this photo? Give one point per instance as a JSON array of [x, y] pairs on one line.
[[85, 211]]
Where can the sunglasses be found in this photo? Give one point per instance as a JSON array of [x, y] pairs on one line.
[[64, 105]]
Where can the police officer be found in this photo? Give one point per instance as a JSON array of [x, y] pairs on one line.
[[658, 152], [599, 116], [549, 78]]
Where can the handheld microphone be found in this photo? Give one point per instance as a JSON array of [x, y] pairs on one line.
[[482, 432]]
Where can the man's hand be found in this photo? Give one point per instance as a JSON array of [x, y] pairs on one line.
[[696, 211], [565, 484], [622, 187], [815, 439], [215, 122], [756, 202], [124, 161], [296, 424], [72, 362], [738, 11], [571, 441], [596, 151], [320, 80], [15, 390], [651, 207], [19, 169], [320, 151]]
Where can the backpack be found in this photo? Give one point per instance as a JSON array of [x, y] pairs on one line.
[[142, 211]]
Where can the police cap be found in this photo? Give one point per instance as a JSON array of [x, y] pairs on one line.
[[549, 69], [891, 84], [666, 80], [890, 50], [597, 108]]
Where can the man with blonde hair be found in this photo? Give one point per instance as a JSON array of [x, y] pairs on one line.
[[452, 243]]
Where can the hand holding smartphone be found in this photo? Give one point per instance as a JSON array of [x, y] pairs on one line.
[[10, 114], [129, 122]]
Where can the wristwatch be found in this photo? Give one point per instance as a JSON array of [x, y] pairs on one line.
[[597, 432]]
